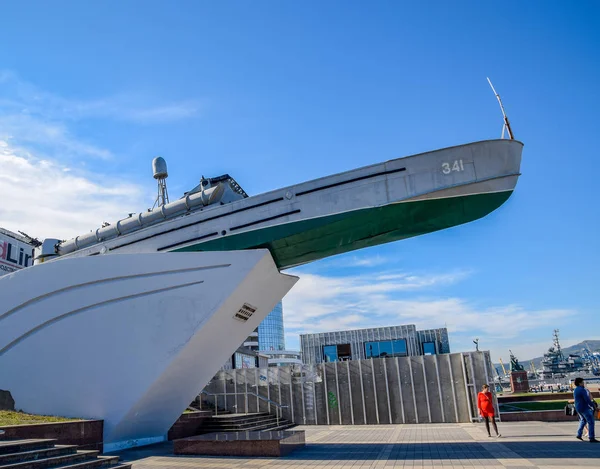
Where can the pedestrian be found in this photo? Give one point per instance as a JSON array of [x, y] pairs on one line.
[[485, 405], [585, 408]]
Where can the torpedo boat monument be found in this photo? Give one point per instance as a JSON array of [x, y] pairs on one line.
[[128, 322]]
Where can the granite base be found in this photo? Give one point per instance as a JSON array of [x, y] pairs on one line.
[[266, 444]]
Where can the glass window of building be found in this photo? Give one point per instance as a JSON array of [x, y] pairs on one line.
[[244, 361], [400, 349], [428, 348], [270, 331], [372, 349], [330, 353], [385, 349]]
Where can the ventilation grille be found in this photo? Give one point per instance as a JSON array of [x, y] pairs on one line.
[[245, 312]]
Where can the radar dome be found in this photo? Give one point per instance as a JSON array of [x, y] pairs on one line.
[[159, 168]]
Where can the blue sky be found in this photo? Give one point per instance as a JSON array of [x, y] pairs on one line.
[[276, 93]]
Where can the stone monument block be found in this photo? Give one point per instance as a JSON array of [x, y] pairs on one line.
[[6, 401], [519, 381]]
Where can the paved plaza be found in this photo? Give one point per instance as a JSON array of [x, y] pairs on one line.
[[523, 445]]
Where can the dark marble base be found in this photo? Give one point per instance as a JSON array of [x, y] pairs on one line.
[[269, 444], [519, 381]]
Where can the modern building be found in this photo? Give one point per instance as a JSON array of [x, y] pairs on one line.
[[251, 341], [282, 357], [379, 342], [16, 252], [265, 346], [245, 357], [270, 331]]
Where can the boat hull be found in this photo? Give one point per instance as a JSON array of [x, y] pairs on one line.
[[129, 339], [365, 207], [309, 240]]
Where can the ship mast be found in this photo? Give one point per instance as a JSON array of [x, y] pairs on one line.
[[560, 355], [506, 125]]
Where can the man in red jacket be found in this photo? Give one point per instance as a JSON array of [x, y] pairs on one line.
[[485, 404]]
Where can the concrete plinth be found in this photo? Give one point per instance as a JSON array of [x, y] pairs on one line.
[[129, 338]]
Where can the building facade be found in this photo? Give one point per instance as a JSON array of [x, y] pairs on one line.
[[270, 331], [282, 357], [379, 342], [16, 252], [245, 357], [267, 337]]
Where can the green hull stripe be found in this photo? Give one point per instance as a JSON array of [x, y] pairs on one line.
[[309, 240]]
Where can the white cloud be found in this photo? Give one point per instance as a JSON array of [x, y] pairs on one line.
[[18, 97], [349, 261], [46, 199], [46, 192], [320, 303], [44, 136], [363, 261]]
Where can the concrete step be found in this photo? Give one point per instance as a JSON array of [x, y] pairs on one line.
[[110, 460], [211, 408], [282, 426], [255, 428], [241, 425], [18, 446], [239, 417], [11, 458], [96, 463], [216, 422], [250, 418], [80, 457]]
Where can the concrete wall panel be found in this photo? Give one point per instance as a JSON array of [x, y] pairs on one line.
[[320, 397], [333, 401], [381, 386], [406, 385], [459, 387], [251, 382], [308, 393], [433, 390], [396, 400], [384, 390], [369, 391], [345, 398], [357, 395], [230, 402], [418, 377], [263, 389], [285, 396], [450, 414], [297, 394]]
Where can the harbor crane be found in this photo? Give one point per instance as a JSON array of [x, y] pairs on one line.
[[503, 367]]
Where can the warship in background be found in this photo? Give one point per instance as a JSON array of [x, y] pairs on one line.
[[556, 364]]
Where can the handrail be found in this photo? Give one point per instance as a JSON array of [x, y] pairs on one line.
[[258, 396], [243, 394], [266, 400]]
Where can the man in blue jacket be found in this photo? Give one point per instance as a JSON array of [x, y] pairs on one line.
[[585, 408]]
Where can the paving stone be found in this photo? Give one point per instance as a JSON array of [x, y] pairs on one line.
[[529, 445]]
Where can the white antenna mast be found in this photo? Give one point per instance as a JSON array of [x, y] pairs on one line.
[[506, 125]]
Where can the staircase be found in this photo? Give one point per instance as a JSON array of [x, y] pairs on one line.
[[258, 422], [207, 404], [46, 454]]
